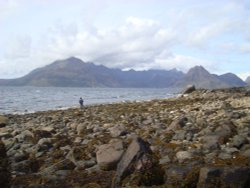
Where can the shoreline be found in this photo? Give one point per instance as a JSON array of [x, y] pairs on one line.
[[34, 101], [89, 105], [194, 134]]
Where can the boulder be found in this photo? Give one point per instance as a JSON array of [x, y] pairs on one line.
[[108, 155], [138, 166], [3, 121], [189, 89]]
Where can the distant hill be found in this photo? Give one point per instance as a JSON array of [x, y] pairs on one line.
[[73, 72], [201, 78], [248, 80], [232, 80]]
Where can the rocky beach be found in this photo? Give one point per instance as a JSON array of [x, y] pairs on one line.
[[199, 139]]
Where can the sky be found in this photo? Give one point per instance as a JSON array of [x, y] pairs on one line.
[[126, 34]]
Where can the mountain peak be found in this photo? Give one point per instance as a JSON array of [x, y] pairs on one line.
[[197, 71], [198, 68], [73, 59]]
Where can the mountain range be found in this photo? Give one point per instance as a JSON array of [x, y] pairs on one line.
[[73, 72]]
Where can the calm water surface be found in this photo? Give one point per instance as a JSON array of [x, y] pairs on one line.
[[31, 99]]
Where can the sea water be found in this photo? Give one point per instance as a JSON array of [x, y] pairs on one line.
[[31, 99]]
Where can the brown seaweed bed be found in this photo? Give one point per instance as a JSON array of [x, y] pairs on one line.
[[200, 139]]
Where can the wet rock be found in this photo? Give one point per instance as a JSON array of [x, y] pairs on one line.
[[189, 89], [209, 177], [138, 166], [224, 177], [3, 121], [181, 176], [108, 155], [4, 167]]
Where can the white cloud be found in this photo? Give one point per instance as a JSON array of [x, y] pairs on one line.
[[136, 42], [7, 7], [244, 75], [18, 47]]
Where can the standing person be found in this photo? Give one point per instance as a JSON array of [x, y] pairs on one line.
[[81, 102]]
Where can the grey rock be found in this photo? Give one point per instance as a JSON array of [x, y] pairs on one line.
[[62, 165], [239, 141], [93, 169], [108, 155], [209, 177], [25, 136], [81, 129], [231, 150], [189, 89], [246, 153], [180, 135], [164, 160], [5, 135], [211, 142], [183, 155], [20, 156], [225, 156], [226, 176], [44, 144], [177, 124], [25, 167], [179, 176], [209, 158], [116, 130], [138, 158]]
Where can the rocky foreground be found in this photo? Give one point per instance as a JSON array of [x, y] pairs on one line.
[[200, 139]]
